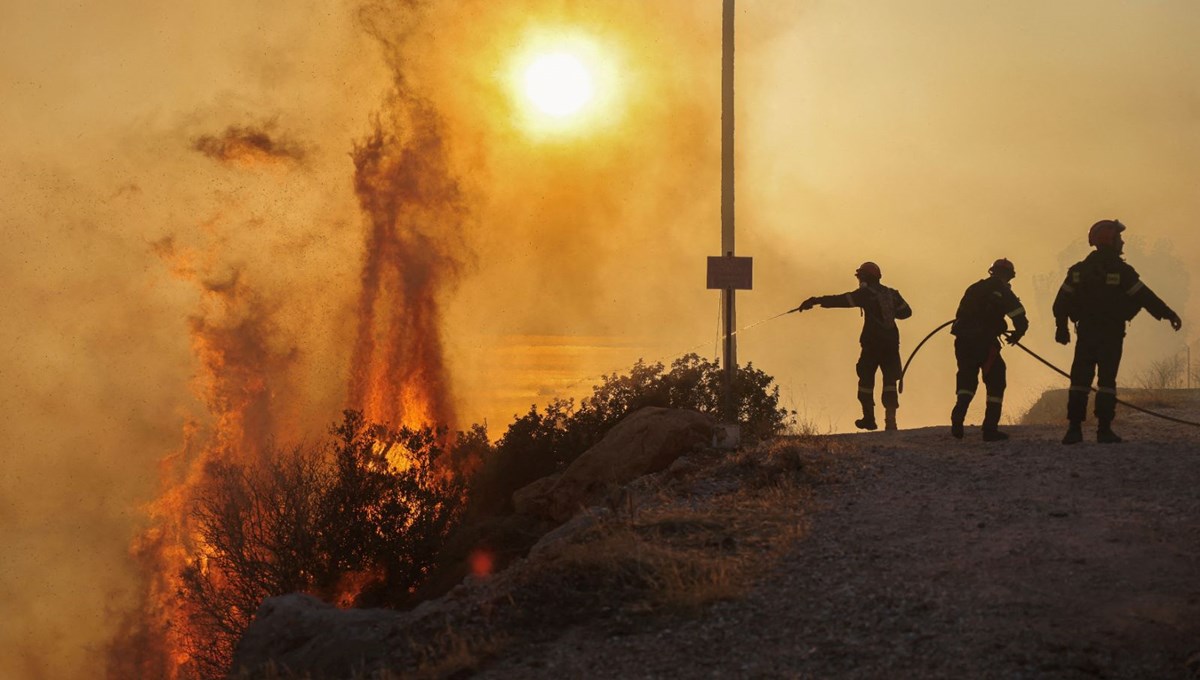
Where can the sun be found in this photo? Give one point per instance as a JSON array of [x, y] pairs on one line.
[[564, 84], [558, 84]]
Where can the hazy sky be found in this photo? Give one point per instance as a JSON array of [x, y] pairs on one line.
[[930, 136]]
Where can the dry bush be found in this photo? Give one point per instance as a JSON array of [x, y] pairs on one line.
[[374, 508], [258, 537], [806, 427], [541, 443], [1167, 373]]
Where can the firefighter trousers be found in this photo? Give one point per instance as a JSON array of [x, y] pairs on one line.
[[1097, 354], [979, 356], [878, 357]]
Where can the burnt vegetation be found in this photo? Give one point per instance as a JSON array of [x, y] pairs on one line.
[[385, 516]]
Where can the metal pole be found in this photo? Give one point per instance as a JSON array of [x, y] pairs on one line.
[[727, 245]]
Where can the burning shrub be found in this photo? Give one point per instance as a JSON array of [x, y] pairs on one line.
[[539, 444], [365, 518], [390, 505]]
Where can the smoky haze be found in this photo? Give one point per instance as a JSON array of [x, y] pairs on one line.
[[180, 174]]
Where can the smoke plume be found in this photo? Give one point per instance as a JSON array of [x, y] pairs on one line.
[[225, 224], [248, 146]]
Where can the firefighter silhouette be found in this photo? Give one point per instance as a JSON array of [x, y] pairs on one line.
[[1100, 295], [978, 325], [880, 340]]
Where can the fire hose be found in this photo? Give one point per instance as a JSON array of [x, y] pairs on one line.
[[1056, 369], [935, 331], [921, 344]]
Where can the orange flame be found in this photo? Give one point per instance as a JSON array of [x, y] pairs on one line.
[[238, 373], [352, 585], [397, 374], [412, 202]]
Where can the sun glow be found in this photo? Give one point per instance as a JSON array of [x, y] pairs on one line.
[[558, 84], [563, 82]]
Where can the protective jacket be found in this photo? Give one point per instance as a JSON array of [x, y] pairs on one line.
[[881, 306], [977, 327], [1102, 293], [983, 309]]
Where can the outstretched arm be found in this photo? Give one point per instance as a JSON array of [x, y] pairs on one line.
[[843, 300], [1148, 300]]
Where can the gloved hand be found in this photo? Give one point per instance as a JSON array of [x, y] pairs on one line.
[[807, 304], [1176, 322], [1061, 335], [1014, 337]]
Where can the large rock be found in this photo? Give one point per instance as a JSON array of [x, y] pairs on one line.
[[533, 499], [646, 441], [300, 633]]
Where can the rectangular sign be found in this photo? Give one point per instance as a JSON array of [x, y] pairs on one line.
[[730, 272]]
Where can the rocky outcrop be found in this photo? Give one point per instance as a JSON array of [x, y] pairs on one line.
[[647, 441], [301, 632], [533, 499]]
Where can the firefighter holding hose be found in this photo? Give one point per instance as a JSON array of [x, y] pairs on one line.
[[978, 325], [1100, 295], [880, 340]]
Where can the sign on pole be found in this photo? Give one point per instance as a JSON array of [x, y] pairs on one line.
[[730, 273]]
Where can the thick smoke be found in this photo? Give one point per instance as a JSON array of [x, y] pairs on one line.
[[245, 369], [247, 358], [157, 298], [249, 146], [177, 268]]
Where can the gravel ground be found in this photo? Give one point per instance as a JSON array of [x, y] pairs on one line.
[[935, 558]]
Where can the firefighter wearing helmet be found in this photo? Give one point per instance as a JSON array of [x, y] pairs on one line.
[[880, 340], [1100, 295], [980, 321]]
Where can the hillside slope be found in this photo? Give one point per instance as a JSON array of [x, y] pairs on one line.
[[906, 554], [939, 558]]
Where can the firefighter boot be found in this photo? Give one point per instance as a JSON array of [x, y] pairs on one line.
[[889, 418], [867, 422], [958, 414], [1074, 433], [991, 423], [1105, 435]]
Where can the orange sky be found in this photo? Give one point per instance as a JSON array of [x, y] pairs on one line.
[[931, 137]]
